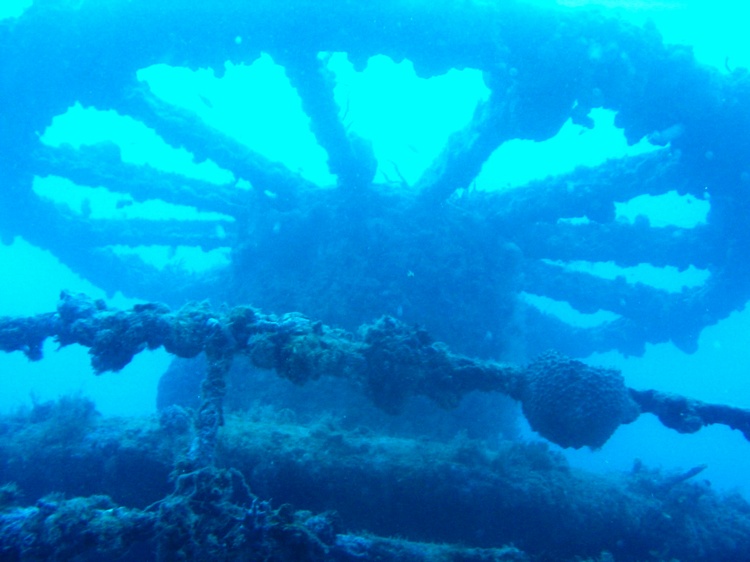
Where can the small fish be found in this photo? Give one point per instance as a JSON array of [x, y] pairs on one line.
[[207, 102]]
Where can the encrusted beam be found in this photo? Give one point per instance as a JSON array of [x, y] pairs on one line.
[[101, 165], [566, 401], [182, 128]]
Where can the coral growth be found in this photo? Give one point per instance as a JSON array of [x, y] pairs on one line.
[[461, 492]]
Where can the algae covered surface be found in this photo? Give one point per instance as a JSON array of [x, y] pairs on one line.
[[393, 280]]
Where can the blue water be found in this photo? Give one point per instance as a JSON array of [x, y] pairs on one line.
[[408, 120]]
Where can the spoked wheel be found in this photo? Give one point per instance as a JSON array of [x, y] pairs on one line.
[[432, 250]]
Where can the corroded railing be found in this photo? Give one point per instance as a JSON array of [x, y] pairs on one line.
[[566, 401]]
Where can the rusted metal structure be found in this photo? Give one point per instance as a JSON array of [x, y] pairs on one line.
[[343, 252], [342, 257]]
